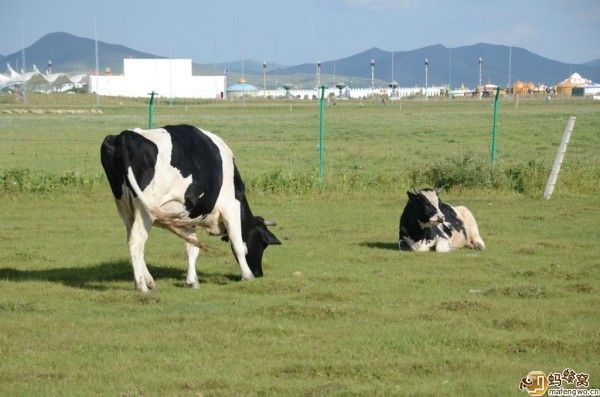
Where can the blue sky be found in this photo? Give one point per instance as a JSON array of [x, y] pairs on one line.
[[291, 32]]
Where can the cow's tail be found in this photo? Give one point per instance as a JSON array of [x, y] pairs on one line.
[[168, 220]]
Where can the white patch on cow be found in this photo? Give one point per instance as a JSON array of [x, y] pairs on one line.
[[432, 196], [137, 236], [434, 200], [420, 245], [473, 240], [443, 245], [168, 191], [192, 276]]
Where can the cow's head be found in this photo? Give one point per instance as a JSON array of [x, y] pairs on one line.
[[425, 203], [258, 238]]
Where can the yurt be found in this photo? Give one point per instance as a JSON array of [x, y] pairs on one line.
[[522, 88], [241, 88], [565, 87]]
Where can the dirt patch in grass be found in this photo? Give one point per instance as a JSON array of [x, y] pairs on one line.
[[293, 311], [582, 288], [324, 297], [527, 250], [535, 345], [463, 306], [148, 299], [524, 273], [509, 324], [518, 291], [17, 306]]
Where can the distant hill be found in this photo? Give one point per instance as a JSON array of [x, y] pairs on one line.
[[250, 67], [71, 53], [409, 68], [595, 62]]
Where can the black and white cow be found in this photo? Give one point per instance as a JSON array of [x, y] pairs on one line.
[[428, 224], [179, 177]]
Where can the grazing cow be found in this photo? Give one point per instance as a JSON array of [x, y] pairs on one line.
[[427, 224], [179, 177]]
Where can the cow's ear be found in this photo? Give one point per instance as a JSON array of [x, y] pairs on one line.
[[411, 195], [268, 237]]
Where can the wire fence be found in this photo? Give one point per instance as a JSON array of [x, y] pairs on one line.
[[364, 139]]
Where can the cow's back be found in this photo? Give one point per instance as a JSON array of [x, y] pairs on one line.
[[196, 154], [173, 164]]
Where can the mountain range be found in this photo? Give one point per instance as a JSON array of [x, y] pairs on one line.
[[71, 53]]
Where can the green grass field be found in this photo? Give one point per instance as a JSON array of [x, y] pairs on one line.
[[340, 310]]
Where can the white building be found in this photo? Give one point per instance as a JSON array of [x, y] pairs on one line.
[[170, 78], [353, 93]]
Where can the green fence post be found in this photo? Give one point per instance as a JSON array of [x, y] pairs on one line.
[[321, 135], [151, 108], [495, 121]]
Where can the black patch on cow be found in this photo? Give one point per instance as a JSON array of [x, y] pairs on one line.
[[128, 149], [254, 232], [111, 162], [194, 153], [451, 218], [418, 208], [238, 184]]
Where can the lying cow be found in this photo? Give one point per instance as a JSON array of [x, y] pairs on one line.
[[427, 224], [179, 177]]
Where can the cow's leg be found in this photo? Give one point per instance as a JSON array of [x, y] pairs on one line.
[[127, 215], [192, 255], [233, 224], [140, 228], [423, 245], [443, 245]]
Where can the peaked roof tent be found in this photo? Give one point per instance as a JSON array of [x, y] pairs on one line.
[[37, 77], [575, 80], [59, 78]]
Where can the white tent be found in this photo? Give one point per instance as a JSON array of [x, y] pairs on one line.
[[576, 80], [55, 80], [58, 79]]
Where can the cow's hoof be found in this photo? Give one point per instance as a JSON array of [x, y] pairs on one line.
[[150, 284], [194, 285], [141, 287], [247, 276]]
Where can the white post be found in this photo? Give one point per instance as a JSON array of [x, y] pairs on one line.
[[426, 70], [372, 76], [97, 68], [560, 154], [265, 79]]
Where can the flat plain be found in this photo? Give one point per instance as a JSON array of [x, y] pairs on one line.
[[340, 310]]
